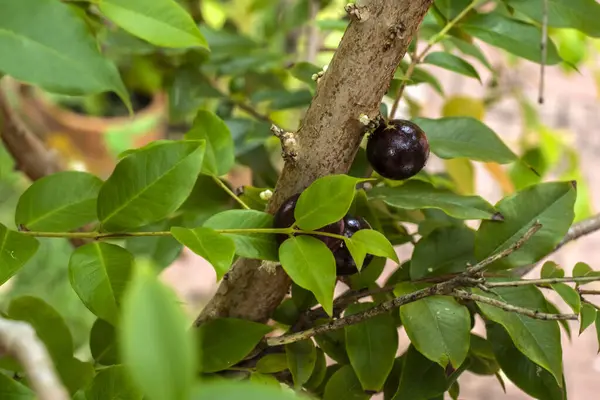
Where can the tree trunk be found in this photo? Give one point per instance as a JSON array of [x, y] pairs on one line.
[[355, 82]]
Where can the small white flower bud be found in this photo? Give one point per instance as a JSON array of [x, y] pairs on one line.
[[266, 195], [364, 119]]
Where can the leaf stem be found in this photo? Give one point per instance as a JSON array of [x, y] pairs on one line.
[[418, 57], [219, 182]]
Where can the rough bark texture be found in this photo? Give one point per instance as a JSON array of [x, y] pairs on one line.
[[355, 82]]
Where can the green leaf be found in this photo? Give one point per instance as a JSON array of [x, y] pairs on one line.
[[551, 270], [579, 14], [458, 137], [149, 184], [251, 245], [588, 317], [582, 269], [11, 389], [272, 363], [450, 9], [445, 250], [421, 379], [103, 343], [152, 319], [451, 62], [57, 39], [161, 250], [437, 326], [516, 37], [263, 379], [549, 203], [301, 358], [59, 202], [99, 273], [311, 265], [358, 252], [528, 376], [481, 357], [160, 22], [471, 49], [538, 340], [334, 345], [226, 341], [319, 371], [344, 384], [415, 195], [569, 295], [216, 248], [15, 250], [375, 243], [230, 390], [49, 326], [112, 383], [304, 71], [325, 201], [371, 347], [220, 153], [75, 374]]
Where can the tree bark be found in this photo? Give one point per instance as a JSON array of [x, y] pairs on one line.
[[355, 82]]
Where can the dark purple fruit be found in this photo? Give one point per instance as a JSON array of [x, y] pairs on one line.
[[284, 218], [398, 149], [344, 262]]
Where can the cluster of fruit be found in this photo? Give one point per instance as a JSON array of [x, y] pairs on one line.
[[397, 149]]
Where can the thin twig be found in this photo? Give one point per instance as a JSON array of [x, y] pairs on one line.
[[589, 292], [461, 294], [544, 50], [590, 303], [19, 340], [382, 308], [222, 184], [547, 281], [418, 57]]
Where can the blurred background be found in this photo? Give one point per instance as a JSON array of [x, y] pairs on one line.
[[264, 53]]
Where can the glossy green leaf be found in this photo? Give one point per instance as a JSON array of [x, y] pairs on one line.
[[208, 197], [334, 345], [549, 203], [112, 383], [301, 359], [464, 137], [375, 243], [311, 266], [325, 201], [149, 184], [569, 295], [214, 247], [226, 341], [103, 343], [161, 250], [49, 326], [15, 250], [437, 326], [160, 22], [528, 376], [59, 202], [319, 371], [517, 37], [393, 380], [358, 252], [415, 195], [344, 384], [450, 9], [421, 379], [251, 245], [231, 390], [587, 316], [11, 389], [99, 273], [57, 39], [471, 49], [371, 347], [538, 340], [452, 63], [579, 14], [264, 379], [75, 374], [582, 269], [551, 270], [445, 250], [272, 363], [220, 155], [304, 71], [481, 357], [153, 319]]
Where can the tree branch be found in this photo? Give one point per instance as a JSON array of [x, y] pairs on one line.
[[355, 82], [547, 281], [19, 340], [461, 294]]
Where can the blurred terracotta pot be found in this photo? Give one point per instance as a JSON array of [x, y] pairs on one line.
[[92, 141]]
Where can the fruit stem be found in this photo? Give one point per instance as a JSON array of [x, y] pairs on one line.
[[418, 57], [219, 182]]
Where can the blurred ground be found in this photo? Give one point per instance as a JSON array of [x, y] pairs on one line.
[[571, 104]]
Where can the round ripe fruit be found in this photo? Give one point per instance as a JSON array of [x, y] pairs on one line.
[[398, 149], [344, 262], [284, 218]]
